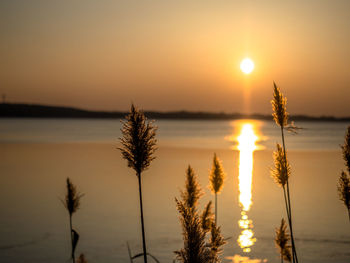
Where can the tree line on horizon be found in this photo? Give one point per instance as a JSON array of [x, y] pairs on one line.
[[22, 110]]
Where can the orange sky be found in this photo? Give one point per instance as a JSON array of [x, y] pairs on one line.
[[174, 55]]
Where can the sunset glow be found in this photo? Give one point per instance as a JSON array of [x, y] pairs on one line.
[[163, 131]]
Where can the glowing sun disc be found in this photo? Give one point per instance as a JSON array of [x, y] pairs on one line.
[[247, 65]]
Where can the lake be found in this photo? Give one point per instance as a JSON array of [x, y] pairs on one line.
[[37, 155]]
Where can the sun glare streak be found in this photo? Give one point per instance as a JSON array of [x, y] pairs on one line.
[[246, 147]]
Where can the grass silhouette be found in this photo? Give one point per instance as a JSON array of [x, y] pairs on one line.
[[281, 242], [195, 227], [344, 179], [138, 147], [207, 217], [202, 237], [216, 179], [282, 168], [72, 204]]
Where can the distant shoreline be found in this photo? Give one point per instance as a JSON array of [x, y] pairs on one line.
[[18, 110]]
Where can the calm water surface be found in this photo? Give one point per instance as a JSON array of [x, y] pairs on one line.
[[36, 155], [192, 133]]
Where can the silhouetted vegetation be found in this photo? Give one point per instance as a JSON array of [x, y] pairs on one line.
[[282, 168], [195, 227], [207, 217], [216, 179], [138, 147], [72, 204], [281, 172], [344, 179], [346, 149], [202, 237], [281, 241], [344, 190], [14, 110], [45, 111]]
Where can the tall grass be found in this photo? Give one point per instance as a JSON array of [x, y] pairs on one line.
[[72, 204], [281, 172], [138, 147], [195, 226], [281, 242], [216, 179], [344, 179]]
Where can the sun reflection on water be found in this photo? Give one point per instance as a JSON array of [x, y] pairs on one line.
[[246, 146]]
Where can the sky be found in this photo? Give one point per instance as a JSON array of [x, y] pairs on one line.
[[177, 55]]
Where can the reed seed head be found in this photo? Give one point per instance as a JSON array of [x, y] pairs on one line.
[[195, 226], [72, 199], [194, 249], [281, 172], [207, 217], [346, 149], [344, 189], [192, 191], [217, 175], [216, 243], [279, 102], [281, 240], [138, 141]]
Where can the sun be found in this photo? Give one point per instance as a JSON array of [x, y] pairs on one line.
[[247, 65]]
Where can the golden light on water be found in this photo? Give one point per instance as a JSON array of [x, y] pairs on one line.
[[246, 146], [246, 239]]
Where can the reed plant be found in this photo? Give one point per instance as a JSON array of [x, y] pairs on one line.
[[207, 217], [216, 179], [72, 204], [281, 241], [281, 173], [138, 146], [346, 149], [344, 179], [216, 243], [197, 248]]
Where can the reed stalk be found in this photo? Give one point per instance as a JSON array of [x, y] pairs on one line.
[[71, 237], [289, 212], [72, 204], [216, 208], [216, 180], [142, 221], [280, 116], [138, 145]]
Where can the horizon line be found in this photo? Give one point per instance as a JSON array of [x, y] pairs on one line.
[[35, 110]]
